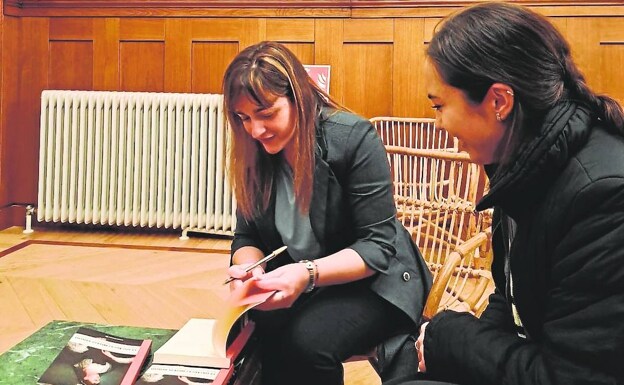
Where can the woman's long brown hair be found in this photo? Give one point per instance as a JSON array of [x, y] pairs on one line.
[[262, 73]]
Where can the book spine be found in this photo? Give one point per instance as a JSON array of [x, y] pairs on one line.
[[137, 363]]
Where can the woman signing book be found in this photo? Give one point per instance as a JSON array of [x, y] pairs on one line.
[[309, 175]]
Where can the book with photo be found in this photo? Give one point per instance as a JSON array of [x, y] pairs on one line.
[[177, 375], [93, 357]]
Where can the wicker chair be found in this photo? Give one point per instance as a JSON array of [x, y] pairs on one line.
[[436, 193], [464, 281]]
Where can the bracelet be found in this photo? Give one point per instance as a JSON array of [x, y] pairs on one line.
[[313, 274]]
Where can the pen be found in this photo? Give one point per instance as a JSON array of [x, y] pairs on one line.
[[258, 263]]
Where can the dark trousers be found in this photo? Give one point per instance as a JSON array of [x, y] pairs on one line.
[[307, 343], [405, 365]]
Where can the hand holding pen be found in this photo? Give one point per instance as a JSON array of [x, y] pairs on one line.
[[258, 263]]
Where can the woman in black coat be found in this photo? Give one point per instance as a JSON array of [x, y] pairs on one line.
[[309, 175], [502, 80]]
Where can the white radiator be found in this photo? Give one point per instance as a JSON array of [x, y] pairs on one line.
[[134, 159]]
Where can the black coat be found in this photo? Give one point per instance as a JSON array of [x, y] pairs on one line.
[[565, 193], [353, 207]]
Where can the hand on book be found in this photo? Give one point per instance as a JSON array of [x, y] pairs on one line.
[[288, 282], [240, 275], [248, 293]]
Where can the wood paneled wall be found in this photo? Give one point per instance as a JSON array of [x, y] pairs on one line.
[[375, 54]]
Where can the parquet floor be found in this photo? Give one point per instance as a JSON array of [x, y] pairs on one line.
[[150, 280]]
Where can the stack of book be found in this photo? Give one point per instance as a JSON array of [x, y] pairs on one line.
[[202, 351]]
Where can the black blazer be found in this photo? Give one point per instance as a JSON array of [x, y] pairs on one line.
[[353, 207]]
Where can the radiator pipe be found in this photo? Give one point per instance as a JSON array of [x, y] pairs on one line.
[[30, 210]]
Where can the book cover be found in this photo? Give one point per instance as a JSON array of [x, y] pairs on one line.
[[203, 342], [177, 375], [93, 357]]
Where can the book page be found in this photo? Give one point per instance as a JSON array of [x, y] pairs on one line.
[[240, 301], [192, 345], [203, 342]]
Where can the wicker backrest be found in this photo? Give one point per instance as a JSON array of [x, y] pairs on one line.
[[417, 133], [435, 192]]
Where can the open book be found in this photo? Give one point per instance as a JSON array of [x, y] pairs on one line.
[[93, 357], [202, 342]]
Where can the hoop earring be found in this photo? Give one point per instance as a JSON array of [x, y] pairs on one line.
[[498, 117]]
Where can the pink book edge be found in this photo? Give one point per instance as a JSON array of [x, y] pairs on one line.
[[232, 353], [240, 341], [137, 363]]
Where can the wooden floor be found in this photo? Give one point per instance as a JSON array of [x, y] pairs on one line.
[[150, 280]]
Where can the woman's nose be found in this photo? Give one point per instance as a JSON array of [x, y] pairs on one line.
[[256, 129]]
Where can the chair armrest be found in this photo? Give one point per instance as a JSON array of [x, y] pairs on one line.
[[458, 266]]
